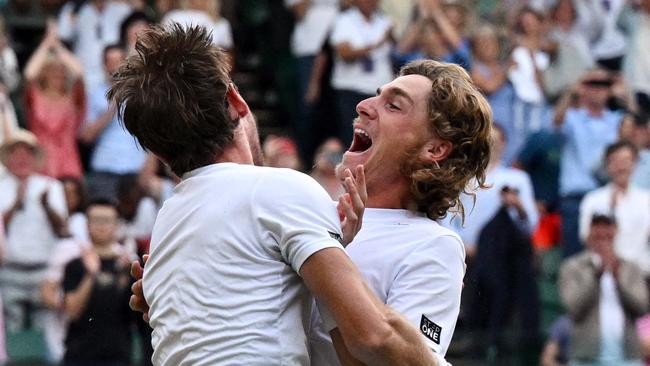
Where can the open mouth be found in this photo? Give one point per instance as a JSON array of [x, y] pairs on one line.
[[361, 141]]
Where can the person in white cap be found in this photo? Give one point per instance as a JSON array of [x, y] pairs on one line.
[[33, 212]]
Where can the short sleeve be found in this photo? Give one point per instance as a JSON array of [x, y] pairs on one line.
[[74, 272], [427, 289], [297, 213]]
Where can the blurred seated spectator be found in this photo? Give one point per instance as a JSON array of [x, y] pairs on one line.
[[89, 26], [587, 127], [96, 287], [55, 104], [636, 65], [529, 59], [281, 152], [625, 202], [431, 34], [603, 294], [556, 348], [34, 213], [361, 38], [116, 153], [574, 26], [327, 157]]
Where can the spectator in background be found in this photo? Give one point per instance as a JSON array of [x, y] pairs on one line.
[[530, 110], [574, 27], [131, 27], [281, 152], [610, 47], [629, 205], [314, 20], [636, 65], [603, 294], [489, 73], [361, 39], [432, 35], [89, 27], [487, 202], [637, 131], [505, 279], [96, 287], [327, 157], [115, 153], [34, 213], [55, 104], [587, 127], [197, 12], [9, 73], [556, 348], [9, 81]]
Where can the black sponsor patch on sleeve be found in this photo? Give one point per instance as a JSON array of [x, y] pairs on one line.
[[336, 237], [430, 329]]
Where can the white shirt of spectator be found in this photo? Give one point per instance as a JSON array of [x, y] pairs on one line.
[[488, 201], [222, 278], [522, 75], [632, 213], [30, 238], [612, 42], [310, 32], [412, 264], [221, 31], [352, 27], [90, 32], [611, 316]]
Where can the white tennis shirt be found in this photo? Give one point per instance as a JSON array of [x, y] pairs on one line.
[[222, 278], [414, 265]]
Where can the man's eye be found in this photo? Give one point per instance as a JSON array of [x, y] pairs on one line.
[[393, 106]]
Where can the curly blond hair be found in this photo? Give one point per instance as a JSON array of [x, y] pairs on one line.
[[458, 113]]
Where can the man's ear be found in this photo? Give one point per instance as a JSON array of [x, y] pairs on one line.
[[237, 107], [436, 150]]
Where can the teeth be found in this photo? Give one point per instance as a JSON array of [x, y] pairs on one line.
[[361, 132]]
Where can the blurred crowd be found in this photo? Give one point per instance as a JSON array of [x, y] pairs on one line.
[[558, 248]]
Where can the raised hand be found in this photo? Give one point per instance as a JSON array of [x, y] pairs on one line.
[[352, 203]]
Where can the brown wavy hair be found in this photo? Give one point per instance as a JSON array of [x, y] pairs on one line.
[[458, 113], [171, 95]]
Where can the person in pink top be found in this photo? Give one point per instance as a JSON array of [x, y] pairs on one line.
[[55, 104]]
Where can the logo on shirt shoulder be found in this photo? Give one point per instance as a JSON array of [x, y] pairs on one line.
[[430, 329], [336, 237]]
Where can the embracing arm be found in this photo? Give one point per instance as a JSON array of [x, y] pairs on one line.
[[373, 333]]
